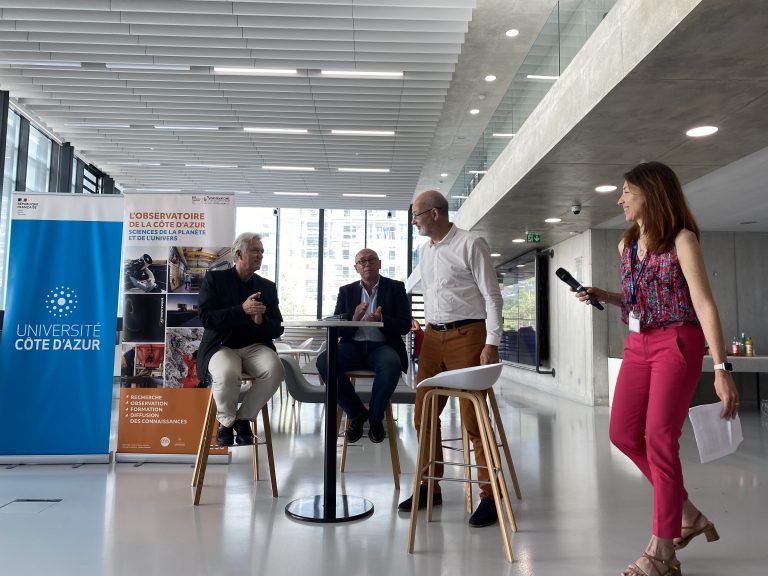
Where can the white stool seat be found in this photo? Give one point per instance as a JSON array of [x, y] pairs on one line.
[[472, 378]]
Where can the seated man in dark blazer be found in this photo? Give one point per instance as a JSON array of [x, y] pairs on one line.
[[239, 310], [377, 299]]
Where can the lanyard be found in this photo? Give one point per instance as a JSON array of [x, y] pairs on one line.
[[632, 280]]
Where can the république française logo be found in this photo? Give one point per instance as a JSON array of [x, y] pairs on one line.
[[61, 301]]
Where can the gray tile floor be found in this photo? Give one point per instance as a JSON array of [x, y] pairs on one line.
[[585, 509]]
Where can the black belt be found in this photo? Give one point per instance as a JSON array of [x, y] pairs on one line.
[[452, 325]]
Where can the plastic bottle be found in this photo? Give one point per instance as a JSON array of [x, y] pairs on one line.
[[749, 350], [735, 346], [743, 345]]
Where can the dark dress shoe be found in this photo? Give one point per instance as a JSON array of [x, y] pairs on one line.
[[485, 514], [376, 431], [244, 435], [407, 504], [225, 436], [355, 429]]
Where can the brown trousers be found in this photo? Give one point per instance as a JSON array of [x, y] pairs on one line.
[[449, 350]]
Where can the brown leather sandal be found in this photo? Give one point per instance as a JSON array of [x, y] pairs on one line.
[[709, 531], [671, 566]]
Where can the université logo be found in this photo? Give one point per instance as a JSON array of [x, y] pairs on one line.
[[61, 301]]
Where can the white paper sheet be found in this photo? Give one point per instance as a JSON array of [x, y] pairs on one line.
[[715, 436]]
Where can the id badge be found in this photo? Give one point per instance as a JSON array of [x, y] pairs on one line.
[[634, 321]]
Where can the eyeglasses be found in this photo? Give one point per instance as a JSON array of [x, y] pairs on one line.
[[364, 261], [423, 212]]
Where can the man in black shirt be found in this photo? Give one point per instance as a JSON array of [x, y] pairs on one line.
[[239, 310]]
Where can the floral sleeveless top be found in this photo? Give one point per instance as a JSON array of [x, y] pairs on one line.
[[662, 292]]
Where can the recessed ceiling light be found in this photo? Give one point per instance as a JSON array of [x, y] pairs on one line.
[[290, 168], [187, 127], [461, 196], [158, 189], [495, 255], [295, 193], [361, 73], [474, 111], [379, 170], [490, 78], [443, 174], [43, 63], [211, 165], [275, 130], [605, 188], [363, 132], [700, 131], [553, 220], [503, 134], [137, 163], [96, 125], [541, 77], [518, 240], [477, 171], [356, 195], [512, 32], [242, 71], [167, 67], [521, 265]]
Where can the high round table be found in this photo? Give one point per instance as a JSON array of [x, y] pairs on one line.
[[330, 507]]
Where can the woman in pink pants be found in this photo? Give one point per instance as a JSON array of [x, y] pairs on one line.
[[666, 300]]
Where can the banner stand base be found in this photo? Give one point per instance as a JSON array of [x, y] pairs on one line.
[[135, 458], [71, 459]]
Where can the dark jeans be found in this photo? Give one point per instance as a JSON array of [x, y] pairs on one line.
[[379, 357]]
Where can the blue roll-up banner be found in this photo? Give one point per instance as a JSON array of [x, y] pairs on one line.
[[58, 341]]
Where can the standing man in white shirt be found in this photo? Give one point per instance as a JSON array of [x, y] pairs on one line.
[[462, 305]]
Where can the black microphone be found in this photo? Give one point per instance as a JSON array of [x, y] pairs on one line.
[[566, 277]]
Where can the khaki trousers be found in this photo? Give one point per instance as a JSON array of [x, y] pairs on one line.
[[226, 367], [449, 350]]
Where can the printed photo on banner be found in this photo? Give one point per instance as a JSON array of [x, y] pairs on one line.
[[181, 360], [182, 311], [141, 366], [144, 318], [187, 265], [144, 270]]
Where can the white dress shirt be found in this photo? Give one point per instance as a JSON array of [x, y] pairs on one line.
[[460, 283]]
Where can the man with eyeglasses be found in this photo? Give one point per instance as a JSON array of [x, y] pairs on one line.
[[373, 298], [462, 307], [239, 310]]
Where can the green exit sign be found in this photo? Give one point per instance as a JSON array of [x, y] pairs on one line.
[[533, 237]]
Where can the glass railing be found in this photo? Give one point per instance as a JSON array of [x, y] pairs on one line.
[[565, 32]]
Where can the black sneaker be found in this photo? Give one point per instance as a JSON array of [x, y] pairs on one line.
[[485, 514], [355, 429], [225, 436], [407, 504], [244, 433], [376, 431]]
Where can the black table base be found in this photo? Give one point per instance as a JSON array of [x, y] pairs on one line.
[[312, 509]]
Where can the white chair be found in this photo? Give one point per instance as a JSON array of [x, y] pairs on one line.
[[472, 384]]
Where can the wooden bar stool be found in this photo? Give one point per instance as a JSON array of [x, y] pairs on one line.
[[470, 384], [400, 396], [206, 437]]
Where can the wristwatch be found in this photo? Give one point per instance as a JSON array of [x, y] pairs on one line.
[[727, 366]]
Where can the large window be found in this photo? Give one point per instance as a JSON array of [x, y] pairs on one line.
[[387, 234], [9, 185], [297, 277], [343, 237], [38, 161], [262, 221], [519, 292]]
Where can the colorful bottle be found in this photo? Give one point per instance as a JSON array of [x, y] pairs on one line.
[[735, 346], [743, 345], [749, 350]]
